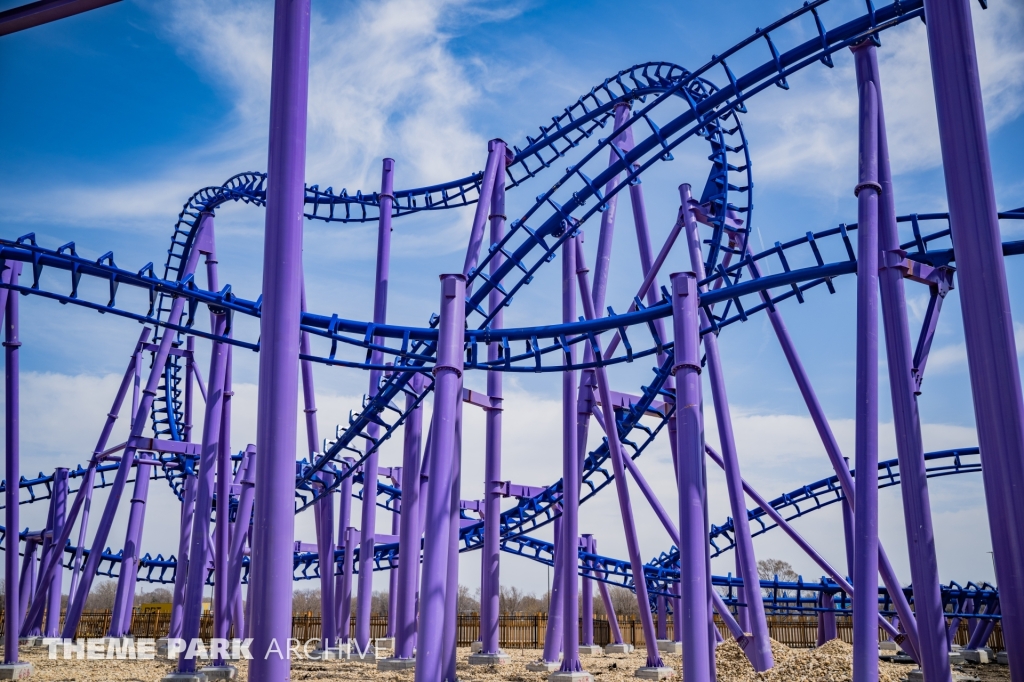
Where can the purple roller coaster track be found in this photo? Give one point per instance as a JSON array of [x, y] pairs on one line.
[[249, 498]]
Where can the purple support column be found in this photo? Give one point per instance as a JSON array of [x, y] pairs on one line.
[[270, 585], [409, 529], [368, 529], [27, 581], [759, 650], [392, 625], [924, 569], [662, 607], [613, 620], [621, 486], [692, 621], [239, 531], [588, 597], [447, 396], [451, 594], [677, 609], [324, 508], [190, 347], [222, 531], [12, 604], [985, 303], [188, 507], [571, 475], [496, 158], [556, 608], [865, 597], [60, 500], [490, 583], [343, 582], [124, 597], [198, 552], [826, 619]]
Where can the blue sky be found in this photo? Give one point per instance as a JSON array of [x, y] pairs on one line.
[[113, 118]]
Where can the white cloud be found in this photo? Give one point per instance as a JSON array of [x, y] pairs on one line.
[[810, 132]]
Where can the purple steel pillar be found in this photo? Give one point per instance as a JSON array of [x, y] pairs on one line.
[[692, 621], [12, 605], [190, 346], [369, 516], [270, 586], [621, 485], [988, 325], [60, 500], [613, 621], [222, 531], [451, 595], [28, 576], [124, 597], [188, 508], [343, 582], [571, 475], [496, 158], [556, 610], [447, 396], [759, 650], [324, 510], [588, 596], [662, 607], [865, 522], [409, 529], [392, 625], [924, 569], [826, 619], [198, 553], [677, 608], [490, 560], [240, 529]]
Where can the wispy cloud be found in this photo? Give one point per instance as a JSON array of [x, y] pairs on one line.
[[809, 134]]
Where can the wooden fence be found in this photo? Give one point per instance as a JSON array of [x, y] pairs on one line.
[[516, 631]]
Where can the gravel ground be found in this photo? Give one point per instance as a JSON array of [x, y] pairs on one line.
[[829, 663]]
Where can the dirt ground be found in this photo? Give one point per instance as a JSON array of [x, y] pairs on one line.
[[829, 663]]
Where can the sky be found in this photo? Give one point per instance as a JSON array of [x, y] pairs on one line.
[[112, 119]]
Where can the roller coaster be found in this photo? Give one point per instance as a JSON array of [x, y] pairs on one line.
[[637, 119]]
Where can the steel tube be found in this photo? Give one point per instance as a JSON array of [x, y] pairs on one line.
[[865, 582], [60, 497], [409, 530], [985, 304], [693, 535], [270, 586], [12, 438], [124, 597], [447, 396]]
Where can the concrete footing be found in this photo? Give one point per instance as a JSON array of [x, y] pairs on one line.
[[480, 658], [662, 673], [565, 676], [591, 650], [329, 654], [667, 646], [1003, 658], [384, 643], [220, 672], [184, 677], [15, 671], [955, 658], [476, 647], [975, 655], [888, 646], [618, 648], [389, 664], [370, 657], [915, 675], [542, 666]]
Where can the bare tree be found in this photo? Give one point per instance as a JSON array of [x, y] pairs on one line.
[[466, 603], [160, 595], [101, 598], [623, 601], [306, 601], [768, 569], [379, 603]]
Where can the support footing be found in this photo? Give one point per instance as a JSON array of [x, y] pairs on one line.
[[955, 658], [370, 657], [667, 646], [389, 664], [663, 673], [618, 649], [384, 643], [975, 655], [476, 647], [1003, 658], [184, 677], [220, 672], [888, 646], [542, 666], [15, 671], [331, 654], [565, 676], [500, 658], [591, 650]]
